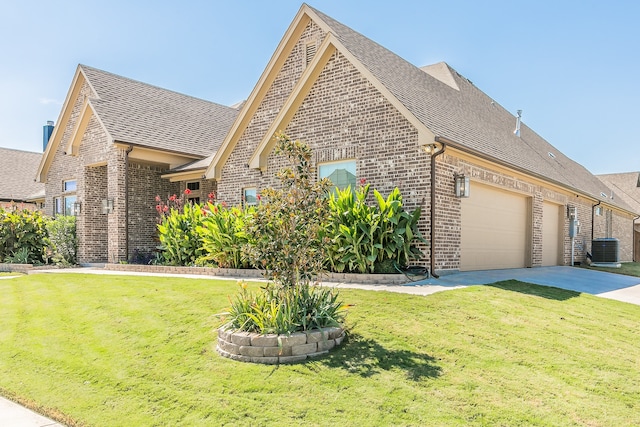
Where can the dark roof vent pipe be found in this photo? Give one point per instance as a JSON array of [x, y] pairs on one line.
[[518, 119]]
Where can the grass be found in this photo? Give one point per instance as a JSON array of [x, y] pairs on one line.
[[626, 268], [122, 351]]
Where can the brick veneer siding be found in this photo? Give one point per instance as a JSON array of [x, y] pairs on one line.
[[99, 170], [344, 117]]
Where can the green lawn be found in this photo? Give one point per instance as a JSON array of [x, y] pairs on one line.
[[139, 351], [627, 268]]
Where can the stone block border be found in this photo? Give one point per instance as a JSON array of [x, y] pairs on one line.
[[368, 279], [273, 349]]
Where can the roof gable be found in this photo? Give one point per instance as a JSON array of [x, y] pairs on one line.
[[139, 114], [330, 44]]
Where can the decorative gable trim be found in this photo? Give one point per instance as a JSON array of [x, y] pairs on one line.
[[58, 131], [329, 47], [288, 42]]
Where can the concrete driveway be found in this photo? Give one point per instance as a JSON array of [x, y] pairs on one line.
[[608, 285]]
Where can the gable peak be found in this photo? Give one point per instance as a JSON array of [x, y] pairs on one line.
[[441, 72]]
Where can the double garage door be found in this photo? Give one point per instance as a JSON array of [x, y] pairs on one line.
[[496, 230]]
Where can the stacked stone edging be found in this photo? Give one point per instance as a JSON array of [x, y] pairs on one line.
[[371, 279], [273, 349]]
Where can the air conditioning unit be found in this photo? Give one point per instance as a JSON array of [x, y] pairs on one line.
[[604, 250]]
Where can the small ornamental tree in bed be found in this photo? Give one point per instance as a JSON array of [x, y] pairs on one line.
[[287, 241]]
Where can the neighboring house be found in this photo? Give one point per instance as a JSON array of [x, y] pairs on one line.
[[367, 113], [18, 188], [626, 187], [113, 141]]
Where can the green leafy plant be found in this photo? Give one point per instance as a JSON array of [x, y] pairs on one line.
[[62, 241], [224, 236], [286, 239], [278, 310], [180, 243], [368, 239], [286, 231], [22, 236]]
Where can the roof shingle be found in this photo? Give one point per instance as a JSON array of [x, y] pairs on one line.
[[141, 114], [17, 175]]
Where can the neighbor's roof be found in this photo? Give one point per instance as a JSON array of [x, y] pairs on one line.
[[17, 174], [625, 186], [141, 114], [453, 108]]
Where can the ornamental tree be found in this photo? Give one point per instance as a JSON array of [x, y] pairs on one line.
[[287, 229]]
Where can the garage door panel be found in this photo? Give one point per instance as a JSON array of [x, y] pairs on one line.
[[494, 229]]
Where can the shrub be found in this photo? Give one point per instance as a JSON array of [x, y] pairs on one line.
[[22, 236], [62, 240], [279, 310], [286, 239], [180, 242], [368, 239], [224, 236], [286, 230]]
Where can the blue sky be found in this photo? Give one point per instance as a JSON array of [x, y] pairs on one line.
[[573, 67]]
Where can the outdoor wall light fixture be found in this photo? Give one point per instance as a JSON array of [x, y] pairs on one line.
[[432, 149], [77, 208], [461, 185], [107, 206]]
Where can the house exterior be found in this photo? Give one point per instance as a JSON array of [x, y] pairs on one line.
[[372, 115], [113, 141], [626, 187], [18, 188], [367, 114]]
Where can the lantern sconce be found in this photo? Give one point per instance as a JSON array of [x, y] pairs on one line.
[[107, 206], [461, 185]]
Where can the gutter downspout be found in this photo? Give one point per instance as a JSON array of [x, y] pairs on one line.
[[633, 237], [126, 201], [593, 213], [432, 211]]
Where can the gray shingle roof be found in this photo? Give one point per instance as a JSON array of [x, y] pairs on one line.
[[466, 115], [18, 173], [625, 186], [141, 114]]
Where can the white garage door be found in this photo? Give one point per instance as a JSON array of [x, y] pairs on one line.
[[551, 215], [494, 229]]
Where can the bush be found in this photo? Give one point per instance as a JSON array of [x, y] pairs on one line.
[[224, 236], [180, 242], [368, 239], [22, 237], [286, 231], [62, 241], [279, 310], [286, 239]]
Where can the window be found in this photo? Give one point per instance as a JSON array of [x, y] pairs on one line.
[[341, 174], [57, 206], [69, 186], [598, 210], [193, 195], [250, 196], [70, 205]]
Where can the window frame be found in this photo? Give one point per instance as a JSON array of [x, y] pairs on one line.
[[349, 162], [244, 196]]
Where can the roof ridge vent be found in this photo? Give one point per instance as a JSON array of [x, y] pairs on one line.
[[441, 72]]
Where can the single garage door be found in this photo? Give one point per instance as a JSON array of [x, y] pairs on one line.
[[494, 229], [551, 234]]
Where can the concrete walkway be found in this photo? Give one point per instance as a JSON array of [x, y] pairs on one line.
[[14, 415], [607, 285]]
